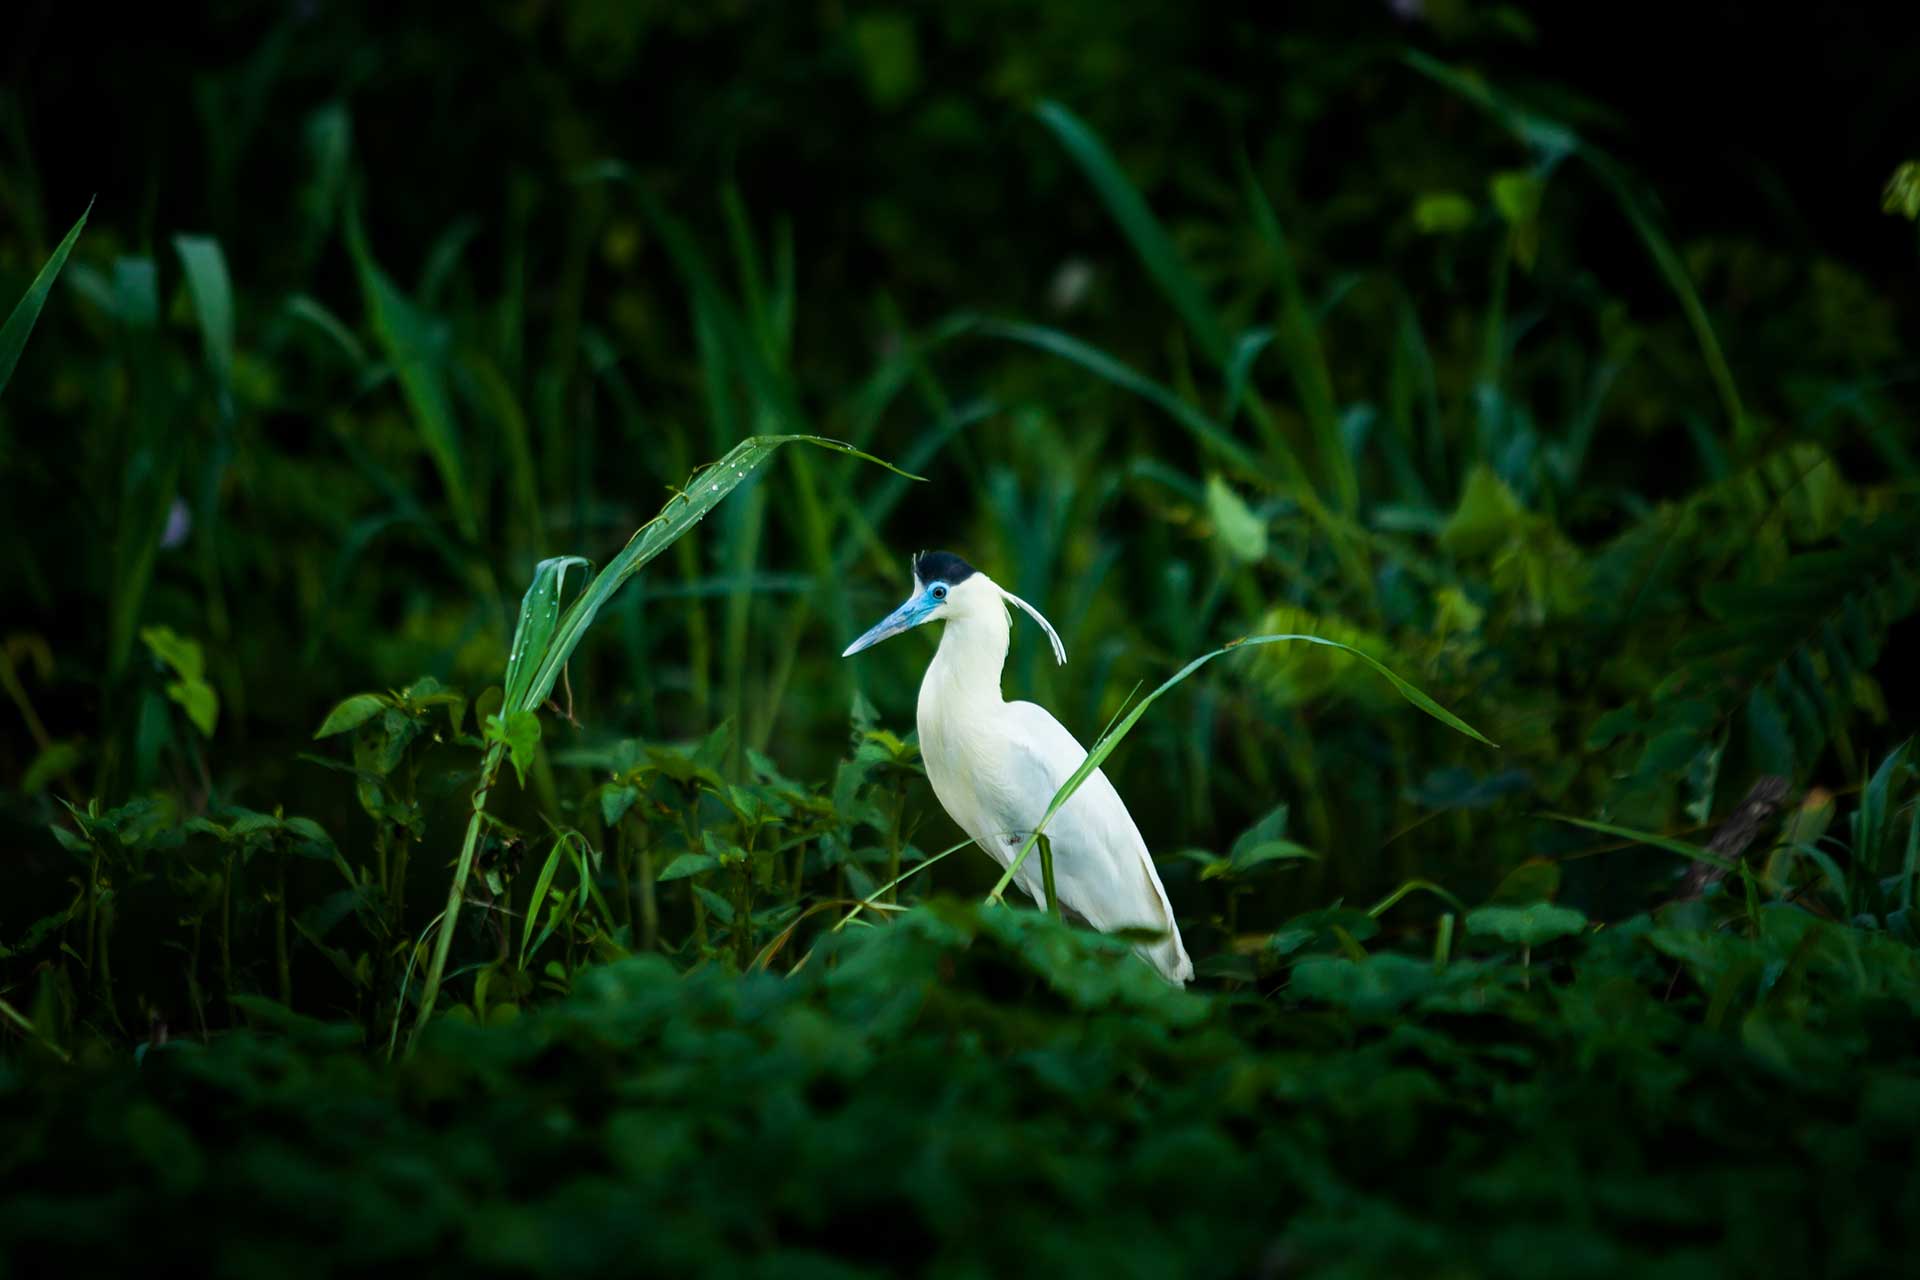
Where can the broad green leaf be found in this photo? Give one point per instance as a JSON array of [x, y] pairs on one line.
[[616, 800], [889, 55], [20, 321], [1517, 195], [176, 651], [351, 714], [1266, 851], [201, 703], [1149, 239], [1486, 517], [1902, 194], [1242, 534], [520, 732], [1442, 212], [688, 864], [191, 690], [1527, 926]]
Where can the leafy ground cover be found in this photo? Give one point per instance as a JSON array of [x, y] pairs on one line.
[[443, 837]]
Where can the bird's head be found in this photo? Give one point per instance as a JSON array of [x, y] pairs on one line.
[[947, 587]]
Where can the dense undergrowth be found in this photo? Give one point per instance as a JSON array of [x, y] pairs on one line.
[[414, 865]]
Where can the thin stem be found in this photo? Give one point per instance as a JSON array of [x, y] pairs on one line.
[[281, 963], [443, 941]]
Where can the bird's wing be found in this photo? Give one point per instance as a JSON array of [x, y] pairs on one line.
[[1101, 867]]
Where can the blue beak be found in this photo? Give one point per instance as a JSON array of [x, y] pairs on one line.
[[918, 609]]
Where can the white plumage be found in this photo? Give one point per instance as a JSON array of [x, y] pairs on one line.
[[996, 765]]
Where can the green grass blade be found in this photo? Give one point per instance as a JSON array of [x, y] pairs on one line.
[[538, 898], [1112, 738], [1692, 852], [406, 335], [212, 292], [13, 337], [1299, 338], [1142, 229], [539, 615], [1105, 367], [703, 492]]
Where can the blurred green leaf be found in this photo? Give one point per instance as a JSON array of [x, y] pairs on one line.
[[20, 321]]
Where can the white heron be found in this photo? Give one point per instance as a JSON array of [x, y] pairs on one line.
[[996, 765]]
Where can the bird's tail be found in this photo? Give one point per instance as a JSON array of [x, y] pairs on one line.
[[1168, 956]]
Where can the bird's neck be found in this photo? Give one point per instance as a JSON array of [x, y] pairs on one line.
[[973, 649]]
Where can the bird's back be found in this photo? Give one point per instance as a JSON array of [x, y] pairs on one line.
[[995, 770]]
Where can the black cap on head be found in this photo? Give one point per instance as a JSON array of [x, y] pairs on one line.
[[941, 566]]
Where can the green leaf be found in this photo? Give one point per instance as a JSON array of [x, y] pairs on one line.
[[1527, 926], [20, 321], [537, 900], [201, 703], [616, 800], [58, 758], [207, 281], [350, 714], [414, 346], [688, 864], [720, 907], [1486, 517], [520, 731], [1442, 213], [1902, 194], [1242, 534], [1517, 195], [1266, 851], [539, 616], [176, 651], [191, 690], [704, 490], [889, 56], [1150, 241]]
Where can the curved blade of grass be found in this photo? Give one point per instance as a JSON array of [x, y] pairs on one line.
[[1246, 349], [20, 321], [1556, 139], [704, 490], [1149, 238], [1112, 738], [405, 333], [1104, 366], [1299, 337], [1692, 852], [539, 616]]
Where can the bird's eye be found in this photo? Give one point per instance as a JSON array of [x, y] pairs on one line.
[[940, 592]]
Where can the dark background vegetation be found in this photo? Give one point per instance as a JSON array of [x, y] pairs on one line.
[[1558, 356]]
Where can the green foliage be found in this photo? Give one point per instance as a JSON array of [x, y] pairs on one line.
[[1390, 370], [1385, 1117]]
